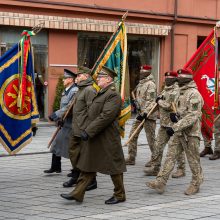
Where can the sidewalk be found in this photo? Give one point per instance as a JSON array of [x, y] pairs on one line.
[[26, 193]]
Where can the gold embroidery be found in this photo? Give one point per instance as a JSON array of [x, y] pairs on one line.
[[10, 140], [12, 60]]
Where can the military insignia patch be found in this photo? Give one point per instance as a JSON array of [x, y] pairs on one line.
[[195, 104]]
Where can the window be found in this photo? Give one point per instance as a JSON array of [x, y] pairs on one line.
[[141, 50]]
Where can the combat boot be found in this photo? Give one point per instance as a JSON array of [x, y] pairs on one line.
[[206, 150], [148, 164], [151, 171], [130, 160], [55, 165], [157, 185], [215, 156], [191, 190], [179, 173]]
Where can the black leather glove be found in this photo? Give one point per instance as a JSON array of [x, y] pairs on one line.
[[84, 136], [53, 117], [174, 117], [141, 117], [60, 123], [159, 98], [34, 130], [169, 131], [137, 106]]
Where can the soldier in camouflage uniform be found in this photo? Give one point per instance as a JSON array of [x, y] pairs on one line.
[[166, 102], [145, 99], [208, 143], [186, 135]]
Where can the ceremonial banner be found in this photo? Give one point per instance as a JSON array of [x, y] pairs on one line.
[[114, 56], [17, 97], [203, 65]]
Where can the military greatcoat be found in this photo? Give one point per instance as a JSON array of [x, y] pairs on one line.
[[103, 153], [60, 145]]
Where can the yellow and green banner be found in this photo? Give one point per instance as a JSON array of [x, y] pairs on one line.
[[114, 56]]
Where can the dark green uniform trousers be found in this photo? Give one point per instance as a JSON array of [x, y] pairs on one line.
[[74, 150], [86, 178]]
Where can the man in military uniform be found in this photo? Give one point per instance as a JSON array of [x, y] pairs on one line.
[[60, 145], [166, 102], [83, 100], [208, 143], [103, 151], [145, 99], [186, 135]]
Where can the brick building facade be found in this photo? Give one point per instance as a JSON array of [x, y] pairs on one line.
[[163, 33]]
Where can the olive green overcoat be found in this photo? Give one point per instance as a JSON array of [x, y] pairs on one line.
[[103, 153]]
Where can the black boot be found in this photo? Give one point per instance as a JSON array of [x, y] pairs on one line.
[[73, 180], [55, 165], [215, 156], [92, 185], [71, 174], [206, 150]]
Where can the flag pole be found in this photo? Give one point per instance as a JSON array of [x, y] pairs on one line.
[[216, 97], [140, 125], [37, 28]]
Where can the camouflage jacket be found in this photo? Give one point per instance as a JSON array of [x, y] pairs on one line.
[[170, 94], [189, 107], [145, 95]]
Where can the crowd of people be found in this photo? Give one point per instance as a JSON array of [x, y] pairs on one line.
[[90, 136]]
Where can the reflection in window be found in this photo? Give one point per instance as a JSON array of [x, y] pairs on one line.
[[141, 50]]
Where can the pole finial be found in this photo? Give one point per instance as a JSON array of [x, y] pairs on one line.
[[37, 28], [124, 16]]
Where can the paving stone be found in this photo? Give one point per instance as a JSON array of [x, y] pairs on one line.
[[27, 193]]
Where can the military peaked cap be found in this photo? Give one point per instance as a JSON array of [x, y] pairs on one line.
[[69, 74], [105, 71], [83, 70]]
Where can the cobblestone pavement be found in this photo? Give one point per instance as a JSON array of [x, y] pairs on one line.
[[27, 193]]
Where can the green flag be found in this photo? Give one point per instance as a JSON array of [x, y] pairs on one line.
[[114, 56]]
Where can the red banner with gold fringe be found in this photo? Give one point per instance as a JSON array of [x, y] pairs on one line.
[[203, 65]]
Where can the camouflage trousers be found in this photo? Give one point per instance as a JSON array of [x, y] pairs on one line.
[[161, 140], [176, 146], [208, 143], [149, 127]]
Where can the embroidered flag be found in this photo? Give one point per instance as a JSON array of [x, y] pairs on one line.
[[114, 56], [203, 65], [17, 97]]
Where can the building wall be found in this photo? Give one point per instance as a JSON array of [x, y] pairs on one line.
[[62, 53], [189, 19]]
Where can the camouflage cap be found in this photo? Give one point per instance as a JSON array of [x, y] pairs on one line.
[[83, 70]]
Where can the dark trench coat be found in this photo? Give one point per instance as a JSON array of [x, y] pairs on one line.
[[103, 151]]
